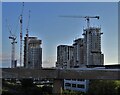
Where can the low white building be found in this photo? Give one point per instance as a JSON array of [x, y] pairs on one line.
[[76, 85]]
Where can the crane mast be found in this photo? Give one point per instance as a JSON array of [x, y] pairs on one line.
[[21, 21], [27, 40], [87, 18], [13, 38], [13, 64]]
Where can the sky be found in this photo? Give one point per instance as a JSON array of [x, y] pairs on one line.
[[60, 0], [53, 30], [118, 34]]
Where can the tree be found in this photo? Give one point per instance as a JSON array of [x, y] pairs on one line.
[[102, 87], [47, 89], [27, 82]]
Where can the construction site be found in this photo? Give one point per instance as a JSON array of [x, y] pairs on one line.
[[32, 47], [78, 68]]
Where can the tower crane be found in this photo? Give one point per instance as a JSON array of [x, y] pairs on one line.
[[13, 38], [21, 21], [87, 18]]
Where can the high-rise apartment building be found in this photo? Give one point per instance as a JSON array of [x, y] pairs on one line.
[[85, 51], [64, 56], [32, 53], [92, 46], [78, 52]]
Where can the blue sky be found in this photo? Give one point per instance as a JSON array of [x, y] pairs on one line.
[[60, 0], [46, 24]]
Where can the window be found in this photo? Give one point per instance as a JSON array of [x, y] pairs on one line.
[[73, 85], [67, 84], [80, 86]]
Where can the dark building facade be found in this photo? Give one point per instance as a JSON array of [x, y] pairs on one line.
[[32, 53]]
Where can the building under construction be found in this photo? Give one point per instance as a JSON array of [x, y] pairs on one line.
[[92, 47], [32, 53], [78, 53], [64, 56], [86, 50]]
